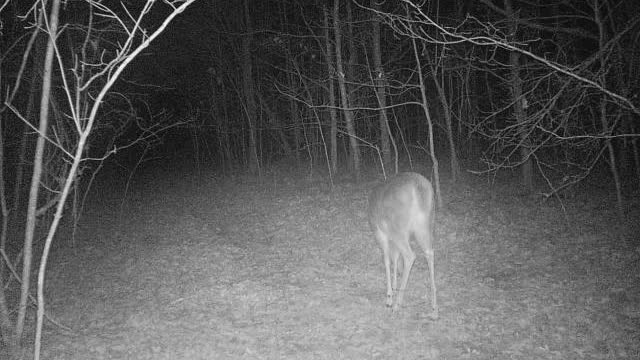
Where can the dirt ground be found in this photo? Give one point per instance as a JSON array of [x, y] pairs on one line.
[[204, 267]]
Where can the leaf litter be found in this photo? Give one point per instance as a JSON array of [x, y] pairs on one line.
[[243, 270]]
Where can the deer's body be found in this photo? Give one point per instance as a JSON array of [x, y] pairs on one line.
[[400, 209]]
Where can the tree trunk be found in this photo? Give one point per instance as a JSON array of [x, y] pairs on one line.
[[348, 113], [380, 84], [516, 95], [3, 199], [22, 153], [613, 163], [636, 156], [249, 92], [350, 70], [446, 112], [6, 330], [425, 108], [293, 114], [37, 171], [606, 127], [333, 114]]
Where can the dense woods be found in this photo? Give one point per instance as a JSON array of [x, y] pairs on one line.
[[337, 89]]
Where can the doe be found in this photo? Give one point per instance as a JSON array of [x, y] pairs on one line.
[[401, 208]]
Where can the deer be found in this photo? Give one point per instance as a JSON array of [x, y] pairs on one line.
[[400, 209]]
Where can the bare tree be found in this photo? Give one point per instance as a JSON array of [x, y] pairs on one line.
[[333, 114], [249, 91], [85, 87], [552, 102], [342, 86], [381, 88]]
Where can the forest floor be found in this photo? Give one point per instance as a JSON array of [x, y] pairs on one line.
[[206, 267]]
